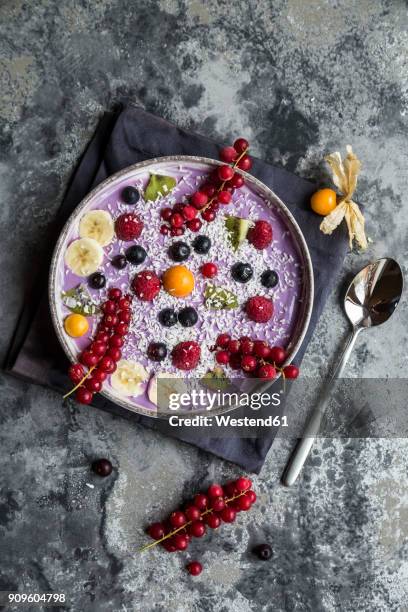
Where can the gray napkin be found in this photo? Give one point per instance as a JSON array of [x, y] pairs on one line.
[[131, 135]]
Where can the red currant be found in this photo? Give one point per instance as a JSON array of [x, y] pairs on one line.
[[208, 189], [114, 294], [277, 354], [176, 220], [243, 503], [237, 181], [189, 212], [156, 531], [178, 208], [224, 197], [214, 207], [109, 307], [199, 199], [115, 353], [266, 371], [228, 154], [178, 519], [201, 501], [242, 484], [241, 145], [209, 270], [93, 385], [194, 225], [228, 515], [177, 231], [109, 320], [164, 230], [107, 365], [88, 358], [234, 346], [124, 316], [230, 489], [121, 329], [225, 173], [76, 373], [193, 513], [215, 490], [245, 163], [197, 529], [180, 541], [102, 336], [83, 396], [251, 495], [261, 349], [169, 545], [291, 371], [212, 520], [222, 357], [98, 347], [99, 375], [124, 303], [208, 215], [223, 340], [116, 341], [247, 346], [194, 568], [218, 504], [248, 363], [166, 214]]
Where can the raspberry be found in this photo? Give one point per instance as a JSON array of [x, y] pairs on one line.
[[146, 285], [260, 236], [259, 309], [186, 355], [128, 226]]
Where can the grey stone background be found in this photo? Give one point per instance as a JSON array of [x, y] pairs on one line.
[[299, 79]]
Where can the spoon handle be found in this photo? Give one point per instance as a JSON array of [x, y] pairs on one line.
[[312, 428]]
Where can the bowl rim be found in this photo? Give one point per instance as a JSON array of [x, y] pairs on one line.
[[307, 296]]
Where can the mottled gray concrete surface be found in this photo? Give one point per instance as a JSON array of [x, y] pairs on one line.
[[298, 79]]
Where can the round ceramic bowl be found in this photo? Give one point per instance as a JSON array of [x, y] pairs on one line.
[[289, 252]]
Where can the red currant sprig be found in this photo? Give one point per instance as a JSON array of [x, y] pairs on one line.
[[217, 191], [253, 357], [102, 354], [220, 504]]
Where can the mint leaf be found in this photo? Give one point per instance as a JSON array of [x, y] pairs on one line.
[[237, 229], [79, 301], [159, 186], [219, 298]]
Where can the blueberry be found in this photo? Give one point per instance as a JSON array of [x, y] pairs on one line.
[[97, 280], [269, 279], [179, 251], [263, 551], [188, 316], [130, 195], [242, 272], [102, 467], [119, 262], [201, 244], [135, 254], [157, 351], [167, 317]]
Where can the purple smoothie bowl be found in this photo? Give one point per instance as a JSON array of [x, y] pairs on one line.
[[288, 255]]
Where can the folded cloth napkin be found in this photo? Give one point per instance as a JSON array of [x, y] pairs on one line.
[[124, 137]]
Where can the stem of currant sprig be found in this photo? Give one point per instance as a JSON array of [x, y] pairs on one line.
[[80, 383], [221, 187], [172, 533]]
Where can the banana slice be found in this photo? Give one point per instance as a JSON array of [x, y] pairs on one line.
[[97, 224], [169, 383], [84, 256], [128, 377]]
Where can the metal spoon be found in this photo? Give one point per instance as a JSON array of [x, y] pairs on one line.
[[370, 300]]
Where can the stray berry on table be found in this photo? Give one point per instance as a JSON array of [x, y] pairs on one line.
[[194, 568], [102, 467], [263, 551]]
